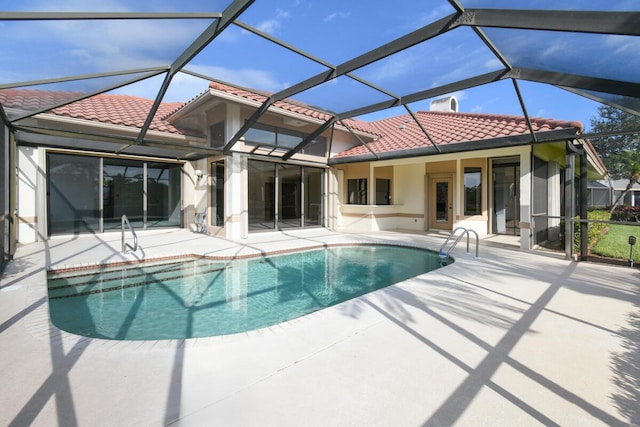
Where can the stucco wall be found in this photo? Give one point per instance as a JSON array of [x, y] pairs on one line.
[[29, 170]]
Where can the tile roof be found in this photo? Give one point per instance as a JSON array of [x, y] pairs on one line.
[[291, 106], [445, 128], [124, 110], [393, 134]]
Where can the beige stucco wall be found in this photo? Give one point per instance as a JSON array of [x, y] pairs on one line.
[[409, 192], [29, 172]]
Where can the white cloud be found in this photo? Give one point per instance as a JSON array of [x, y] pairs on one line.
[[247, 77], [399, 65], [335, 15], [477, 109], [542, 113], [493, 63], [553, 49], [460, 95], [623, 44], [270, 26], [184, 86]]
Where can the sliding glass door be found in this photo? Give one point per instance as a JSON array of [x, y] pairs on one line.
[[90, 194], [122, 189], [283, 196], [73, 194]]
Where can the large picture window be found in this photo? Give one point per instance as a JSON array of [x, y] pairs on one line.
[[472, 191], [270, 136]]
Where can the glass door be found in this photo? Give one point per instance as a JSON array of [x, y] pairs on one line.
[[122, 185], [506, 198], [289, 197], [441, 204], [262, 196]]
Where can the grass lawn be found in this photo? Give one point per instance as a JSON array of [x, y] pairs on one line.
[[615, 243]]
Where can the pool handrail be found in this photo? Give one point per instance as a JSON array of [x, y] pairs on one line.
[[465, 231], [125, 245]]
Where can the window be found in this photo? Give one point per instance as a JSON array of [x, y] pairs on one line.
[[317, 147], [217, 193], [357, 191], [472, 191], [261, 134], [271, 136], [217, 135], [383, 191]]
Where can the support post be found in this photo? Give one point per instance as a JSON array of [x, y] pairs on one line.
[[584, 195], [569, 200]]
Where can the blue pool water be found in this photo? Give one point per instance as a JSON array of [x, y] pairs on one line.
[[200, 298]]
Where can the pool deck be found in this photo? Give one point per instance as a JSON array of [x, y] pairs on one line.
[[509, 338]]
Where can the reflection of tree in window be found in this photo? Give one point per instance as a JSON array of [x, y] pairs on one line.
[[472, 191]]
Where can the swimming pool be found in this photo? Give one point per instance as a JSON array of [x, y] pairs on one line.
[[201, 297]]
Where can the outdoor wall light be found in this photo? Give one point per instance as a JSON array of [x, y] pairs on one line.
[[632, 241], [199, 176]]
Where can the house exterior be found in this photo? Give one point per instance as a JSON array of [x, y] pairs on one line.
[[80, 167], [605, 192]]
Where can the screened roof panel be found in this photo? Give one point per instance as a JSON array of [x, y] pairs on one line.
[[408, 52], [453, 56], [548, 102], [628, 103], [337, 30], [110, 6], [573, 53], [51, 49], [596, 5], [330, 96], [248, 60]]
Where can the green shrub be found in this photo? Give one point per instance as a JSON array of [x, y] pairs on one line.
[[595, 229], [626, 213]]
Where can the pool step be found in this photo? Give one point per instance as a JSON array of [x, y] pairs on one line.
[[101, 281]]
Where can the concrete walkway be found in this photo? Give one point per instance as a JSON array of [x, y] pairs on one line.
[[510, 338]]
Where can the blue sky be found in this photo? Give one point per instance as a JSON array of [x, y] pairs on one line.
[[331, 30]]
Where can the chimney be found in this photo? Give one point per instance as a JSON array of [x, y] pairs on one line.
[[447, 105]]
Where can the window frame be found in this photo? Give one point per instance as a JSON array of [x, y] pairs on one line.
[[468, 171], [354, 185]]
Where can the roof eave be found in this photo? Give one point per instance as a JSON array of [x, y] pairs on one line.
[[282, 112]]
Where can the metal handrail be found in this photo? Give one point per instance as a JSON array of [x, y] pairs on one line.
[[134, 248], [465, 231]]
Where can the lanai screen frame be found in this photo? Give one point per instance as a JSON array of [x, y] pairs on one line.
[[616, 23]]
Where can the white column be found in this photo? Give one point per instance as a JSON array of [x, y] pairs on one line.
[[29, 171], [235, 194]]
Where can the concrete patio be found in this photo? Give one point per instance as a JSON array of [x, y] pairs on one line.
[[510, 338]]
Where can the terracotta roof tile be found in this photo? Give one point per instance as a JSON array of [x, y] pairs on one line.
[[394, 134], [401, 132], [123, 110]]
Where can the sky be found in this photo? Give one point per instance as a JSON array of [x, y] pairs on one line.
[[331, 31]]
